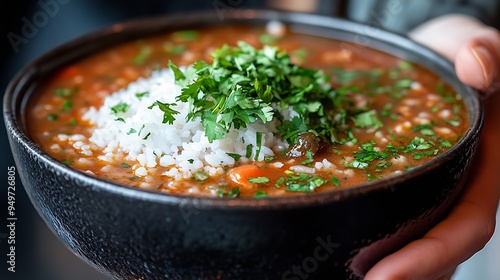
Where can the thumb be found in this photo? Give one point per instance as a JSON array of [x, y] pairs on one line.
[[477, 61], [471, 45]]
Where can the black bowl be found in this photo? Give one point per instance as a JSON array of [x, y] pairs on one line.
[[136, 234]]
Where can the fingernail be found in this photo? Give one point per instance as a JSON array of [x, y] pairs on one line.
[[485, 60]]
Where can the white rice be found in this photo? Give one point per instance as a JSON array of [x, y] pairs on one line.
[[181, 147]]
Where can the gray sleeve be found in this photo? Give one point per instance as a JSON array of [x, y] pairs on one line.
[[404, 15]]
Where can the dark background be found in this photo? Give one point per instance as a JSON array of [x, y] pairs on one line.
[[39, 255]]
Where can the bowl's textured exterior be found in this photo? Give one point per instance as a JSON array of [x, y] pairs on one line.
[[134, 234]]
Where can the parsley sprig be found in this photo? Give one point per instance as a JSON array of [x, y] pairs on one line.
[[244, 85]]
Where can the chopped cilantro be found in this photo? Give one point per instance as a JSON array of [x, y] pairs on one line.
[[67, 162], [174, 48], [269, 159], [65, 92], [200, 176], [260, 194], [244, 82], [348, 76], [425, 154], [125, 165], [405, 65], [235, 156], [121, 107], [249, 150], [440, 89], [258, 136], [131, 131], [143, 55], [267, 39], [386, 110], [185, 35], [258, 180], [52, 117], [303, 182], [310, 158], [234, 192], [391, 149], [140, 130], [168, 113], [279, 182], [446, 144], [403, 84], [140, 95], [300, 54], [367, 120], [67, 106], [335, 181], [367, 154], [418, 144], [424, 129], [455, 123]]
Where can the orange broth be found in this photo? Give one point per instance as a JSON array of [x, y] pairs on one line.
[[411, 102]]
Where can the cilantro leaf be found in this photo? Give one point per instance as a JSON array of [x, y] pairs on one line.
[[168, 113], [367, 120], [121, 107]]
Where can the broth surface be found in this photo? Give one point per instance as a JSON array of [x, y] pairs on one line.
[[421, 116]]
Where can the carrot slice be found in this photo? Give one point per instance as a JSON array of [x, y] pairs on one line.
[[240, 175]]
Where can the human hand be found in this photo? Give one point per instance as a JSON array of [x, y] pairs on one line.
[[475, 50], [471, 45]]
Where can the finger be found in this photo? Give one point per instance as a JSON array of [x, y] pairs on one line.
[[474, 47], [447, 276], [477, 60], [453, 241]]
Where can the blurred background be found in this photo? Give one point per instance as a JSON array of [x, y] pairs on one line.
[[39, 255]]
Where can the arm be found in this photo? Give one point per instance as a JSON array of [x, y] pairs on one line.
[[475, 49]]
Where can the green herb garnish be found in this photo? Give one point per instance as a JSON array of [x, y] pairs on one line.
[[168, 113], [335, 181], [131, 131], [260, 194], [52, 117], [173, 48], [185, 35], [121, 107], [244, 85], [67, 106], [367, 154], [200, 176], [235, 156], [367, 120], [140, 95], [234, 192], [143, 55]]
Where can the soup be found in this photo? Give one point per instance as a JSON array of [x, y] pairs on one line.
[[244, 111]]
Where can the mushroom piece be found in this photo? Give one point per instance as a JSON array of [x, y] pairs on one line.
[[306, 142]]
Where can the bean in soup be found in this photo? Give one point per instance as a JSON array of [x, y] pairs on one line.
[[241, 111]]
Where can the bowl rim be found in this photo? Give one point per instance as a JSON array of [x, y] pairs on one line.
[[14, 97]]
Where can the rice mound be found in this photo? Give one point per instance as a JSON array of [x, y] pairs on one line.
[[181, 147]]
